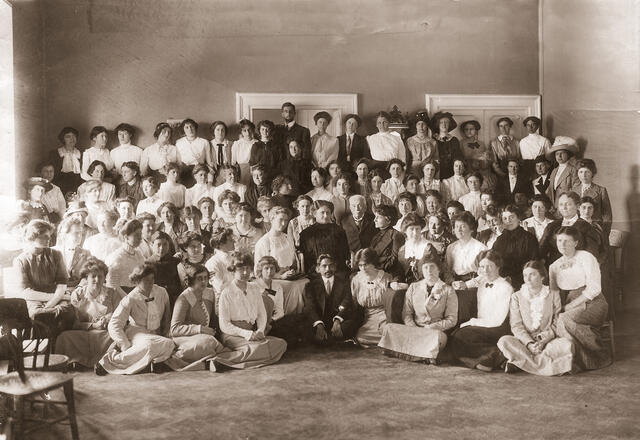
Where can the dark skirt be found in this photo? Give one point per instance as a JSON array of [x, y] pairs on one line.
[[68, 182], [478, 345]]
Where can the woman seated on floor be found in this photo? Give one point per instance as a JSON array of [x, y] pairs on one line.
[[474, 343], [576, 276], [370, 289], [288, 325], [166, 265], [243, 318], [191, 323], [535, 346], [94, 303], [430, 309], [139, 327], [42, 277]]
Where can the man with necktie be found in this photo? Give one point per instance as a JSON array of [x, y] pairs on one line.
[[351, 146], [292, 130]]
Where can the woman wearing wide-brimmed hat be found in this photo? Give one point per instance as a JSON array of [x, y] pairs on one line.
[[565, 176], [478, 156], [421, 147], [36, 188], [505, 146], [442, 123]]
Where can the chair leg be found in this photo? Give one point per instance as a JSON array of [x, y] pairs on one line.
[[613, 344], [71, 409], [18, 421]]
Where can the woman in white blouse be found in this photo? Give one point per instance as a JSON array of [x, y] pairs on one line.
[[98, 151], [192, 150], [67, 161], [324, 147], [385, 145], [241, 150], [243, 318], [535, 346], [540, 205], [319, 180], [125, 152], [474, 343], [428, 181], [97, 171], [455, 186], [156, 157], [460, 257], [279, 245], [221, 155], [393, 186], [139, 327], [413, 249], [576, 276]]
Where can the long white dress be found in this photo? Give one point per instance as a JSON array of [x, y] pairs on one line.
[[534, 317], [370, 295], [148, 321]]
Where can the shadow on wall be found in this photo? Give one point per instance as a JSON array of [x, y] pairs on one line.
[[633, 212]]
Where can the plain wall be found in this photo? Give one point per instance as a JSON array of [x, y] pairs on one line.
[[28, 72], [591, 89], [143, 61]]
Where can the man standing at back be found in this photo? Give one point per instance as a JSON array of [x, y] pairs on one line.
[[292, 130]]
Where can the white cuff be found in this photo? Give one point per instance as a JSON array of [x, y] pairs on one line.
[[317, 322], [339, 318]]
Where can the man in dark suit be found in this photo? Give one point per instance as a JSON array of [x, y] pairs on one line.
[[291, 130], [544, 170], [331, 312], [351, 146], [514, 182], [358, 226]]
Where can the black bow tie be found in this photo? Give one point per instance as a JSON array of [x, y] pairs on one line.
[[220, 145], [473, 145], [488, 285], [148, 299], [270, 292]]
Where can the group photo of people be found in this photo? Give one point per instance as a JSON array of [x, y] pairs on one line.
[[206, 252]]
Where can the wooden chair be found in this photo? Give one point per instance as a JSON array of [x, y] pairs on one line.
[[20, 386], [617, 241]]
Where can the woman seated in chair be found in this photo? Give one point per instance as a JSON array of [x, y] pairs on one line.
[[122, 261], [139, 327], [430, 309], [243, 318], [70, 235], [42, 277], [474, 343], [288, 325], [191, 322], [535, 346], [576, 276], [370, 290], [279, 245], [94, 303]]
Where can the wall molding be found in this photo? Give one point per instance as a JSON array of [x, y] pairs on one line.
[[443, 102], [247, 102]]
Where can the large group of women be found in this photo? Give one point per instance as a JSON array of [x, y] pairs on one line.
[[194, 252]]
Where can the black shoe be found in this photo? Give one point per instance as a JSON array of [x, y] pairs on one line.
[[99, 369], [160, 367]]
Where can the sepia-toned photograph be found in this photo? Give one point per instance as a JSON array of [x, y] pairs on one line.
[[336, 219]]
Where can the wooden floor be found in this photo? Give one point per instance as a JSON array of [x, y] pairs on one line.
[[357, 394]]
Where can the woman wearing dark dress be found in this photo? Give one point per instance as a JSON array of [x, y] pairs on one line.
[[265, 151], [166, 264], [387, 241], [297, 169], [515, 245], [568, 207], [449, 151], [324, 237], [67, 161]]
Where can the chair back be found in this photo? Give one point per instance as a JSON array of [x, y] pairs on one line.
[[15, 320]]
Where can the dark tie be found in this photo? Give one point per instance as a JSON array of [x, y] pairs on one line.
[[348, 148], [148, 299], [270, 292], [474, 145], [220, 154], [489, 285]]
